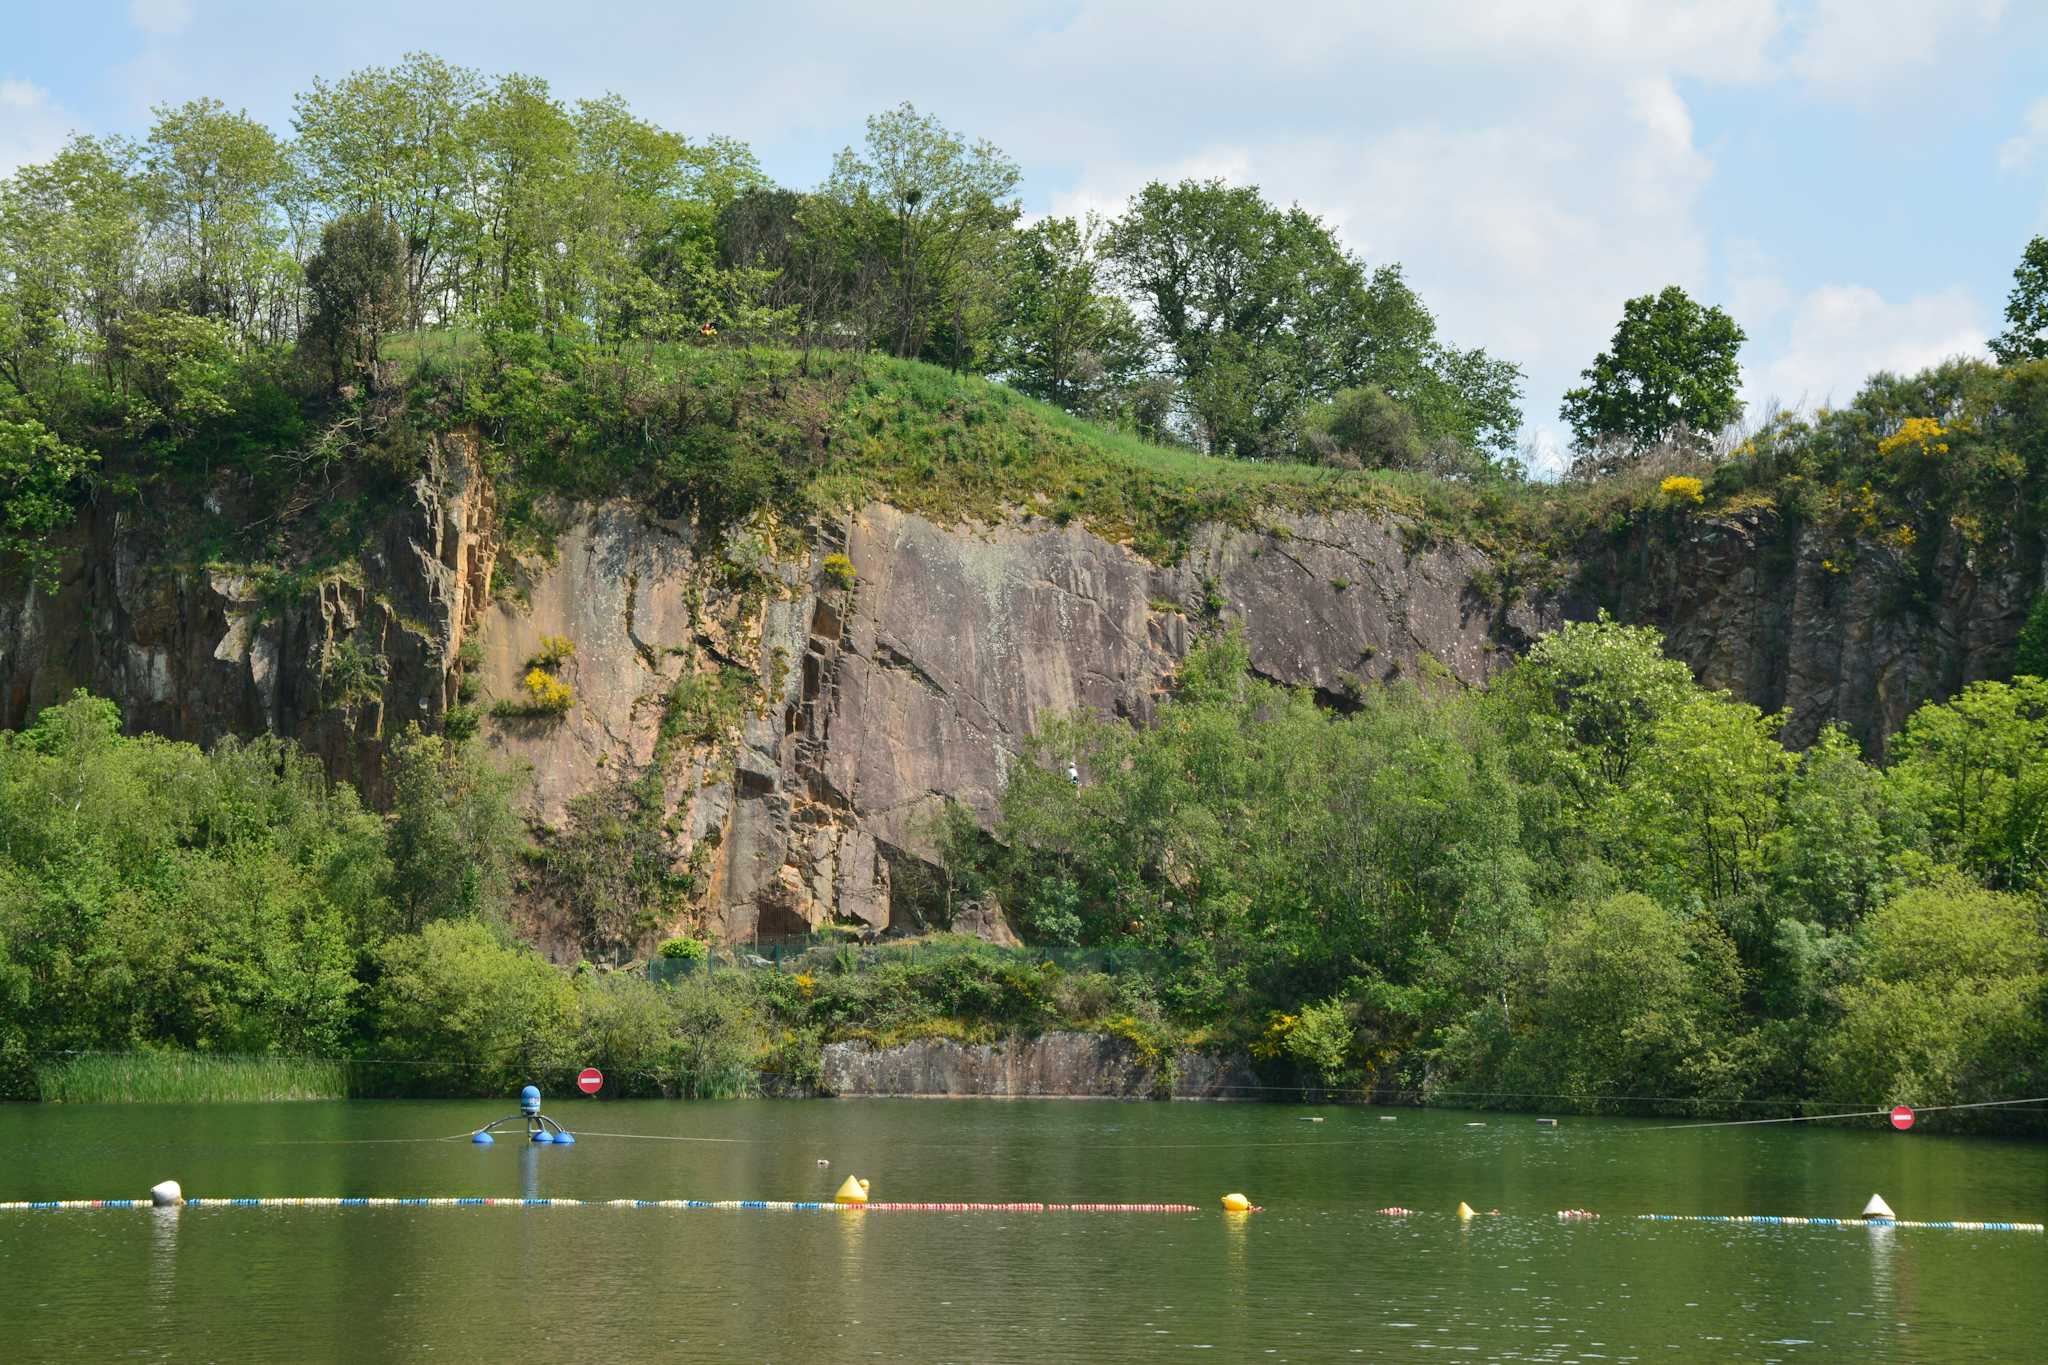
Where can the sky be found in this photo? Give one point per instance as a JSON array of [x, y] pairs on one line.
[[1854, 180]]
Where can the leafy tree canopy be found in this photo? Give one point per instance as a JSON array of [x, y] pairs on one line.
[[1669, 374], [2026, 309]]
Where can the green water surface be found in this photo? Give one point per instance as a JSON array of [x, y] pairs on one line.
[[1318, 1276]]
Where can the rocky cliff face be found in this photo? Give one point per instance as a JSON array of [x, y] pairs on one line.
[[800, 730], [1793, 619], [199, 652]]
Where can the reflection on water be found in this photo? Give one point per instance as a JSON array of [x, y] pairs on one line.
[[1319, 1276]]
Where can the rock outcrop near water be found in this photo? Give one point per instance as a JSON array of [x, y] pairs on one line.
[[823, 722]]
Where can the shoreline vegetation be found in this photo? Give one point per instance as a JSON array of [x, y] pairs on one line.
[[189, 1078], [1595, 884]]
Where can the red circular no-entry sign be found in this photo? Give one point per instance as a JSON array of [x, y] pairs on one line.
[[1902, 1117], [590, 1080]]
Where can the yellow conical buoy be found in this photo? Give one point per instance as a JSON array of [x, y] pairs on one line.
[[1465, 1210], [1237, 1203], [854, 1191]]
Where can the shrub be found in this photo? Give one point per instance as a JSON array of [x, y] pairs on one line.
[[469, 1013], [839, 570], [685, 949], [624, 1027], [554, 651], [1320, 1041], [1682, 490], [715, 1044], [541, 694], [1365, 429]]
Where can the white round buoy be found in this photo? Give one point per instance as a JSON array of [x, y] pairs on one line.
[[167, 1195]]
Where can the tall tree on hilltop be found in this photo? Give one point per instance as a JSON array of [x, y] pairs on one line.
[[1064, 338], [1671, 375], [214, 176], [1260, 313], [2026, 309], [925, 209], [357, 282], [388, 139], [520, 169]]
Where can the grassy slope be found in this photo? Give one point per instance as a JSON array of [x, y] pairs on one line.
[[961, 448]]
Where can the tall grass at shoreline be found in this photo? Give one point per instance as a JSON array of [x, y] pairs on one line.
[[189, 1078]]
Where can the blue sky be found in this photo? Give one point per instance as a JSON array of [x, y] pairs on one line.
[[1853, 179]]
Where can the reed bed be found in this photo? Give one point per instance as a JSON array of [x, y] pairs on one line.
[[189, 1078]]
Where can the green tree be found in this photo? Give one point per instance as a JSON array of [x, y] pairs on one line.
[[645, 212], [183, 371], [454, 836], [39, 476], [1063, 338], [924, 211], [2026, 309], [1260, 312], [1836, 853], [1947, 1003], [152, 894], [1256, 308], [356, 284], [74, 239], [1321, 1041], [214, 176], [470, 1013], [1705, 799], [1632, 1000], [1670, 375], [389, 140], [1976, 769], [1585, 706], [520, 163]]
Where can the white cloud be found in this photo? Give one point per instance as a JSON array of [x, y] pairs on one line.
[[1863, 50], [1841, 334], [161, 18], [32, 126], [1756, 290], [1524, 234], [2019, 150]]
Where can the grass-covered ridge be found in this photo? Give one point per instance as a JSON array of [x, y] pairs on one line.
[[731, 429]]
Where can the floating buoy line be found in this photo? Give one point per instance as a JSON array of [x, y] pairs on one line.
[[852, 1195], [1781, 1221], [491, 1202], [1232, 1203]]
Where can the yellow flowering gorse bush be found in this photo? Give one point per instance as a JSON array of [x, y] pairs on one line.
[[545, 694], [1920, 435], [1683, 489]]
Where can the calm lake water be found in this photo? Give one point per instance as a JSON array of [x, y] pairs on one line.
[[1318, 1276]]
